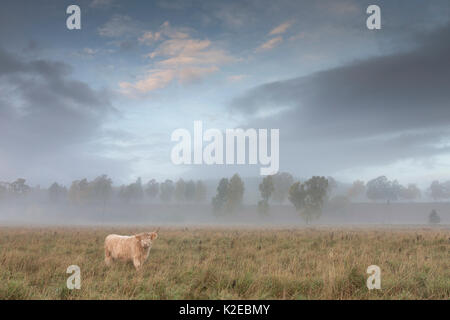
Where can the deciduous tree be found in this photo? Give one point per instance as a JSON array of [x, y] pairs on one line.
[[152, 189], [282, 182], [166, 191], [266, 189], [235, 193], [309, 197]]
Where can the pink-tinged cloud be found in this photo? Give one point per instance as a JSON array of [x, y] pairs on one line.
[[156, 79], [190, 74], [177, 57], [270, 44], [166, 31], [149, 37], [237, 77], [174, 47], [282, 28]]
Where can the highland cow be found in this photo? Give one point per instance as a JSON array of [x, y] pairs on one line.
[[129, 248]]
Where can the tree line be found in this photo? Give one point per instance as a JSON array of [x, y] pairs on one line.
[[308, 197], [101, 189]]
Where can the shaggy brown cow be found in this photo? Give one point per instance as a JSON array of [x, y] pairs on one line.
[[135, 248]]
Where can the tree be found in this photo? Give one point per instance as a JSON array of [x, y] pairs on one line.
[[132, 192], [57, 192], [235, 193], [316, 189], [396, 189], [166, 191], [358, 188], [19, 187], [281, 182], [79, 191], [100, 189], [136, 190], [152, 189], [180, 187], [4, 187], [200, 192], [266, 188], [83, 191], [73, 192], [189, 191], [434, 218], [439, 190], [332, 184], [124, 193], [382, 189], [308, 198], [410, 193], [219, 201], [297, 195]]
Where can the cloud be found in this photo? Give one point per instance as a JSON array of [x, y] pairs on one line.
[[341, 7], [275, 41], [165, 31], [282, 28], [101, 3], [177, 56], [90, 51], [368, 112], [175, 4], [155, 79], [237, 77], [46, 116], [190, 74], [180, 47], [270, 44], [234, 15], [298, 36], [123, 31], [119, 26], [149, 37]]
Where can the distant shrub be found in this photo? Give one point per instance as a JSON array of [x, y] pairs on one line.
[[434, 218]]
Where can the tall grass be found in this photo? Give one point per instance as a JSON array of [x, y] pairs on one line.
[[201, 263]]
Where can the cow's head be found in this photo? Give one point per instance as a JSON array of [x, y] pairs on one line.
[[146, 238]]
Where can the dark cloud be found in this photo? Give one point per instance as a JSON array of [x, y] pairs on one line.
[[45, 114], [369, 112]]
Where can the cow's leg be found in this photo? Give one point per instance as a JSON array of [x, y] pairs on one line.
[[108, 258], [137, 264]]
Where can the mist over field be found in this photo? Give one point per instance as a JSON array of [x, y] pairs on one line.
[[187, 203], [197, 215]]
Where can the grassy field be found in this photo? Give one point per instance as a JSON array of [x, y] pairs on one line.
[[201, 263]]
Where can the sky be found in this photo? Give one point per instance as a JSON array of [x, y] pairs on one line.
[[349, 102]]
